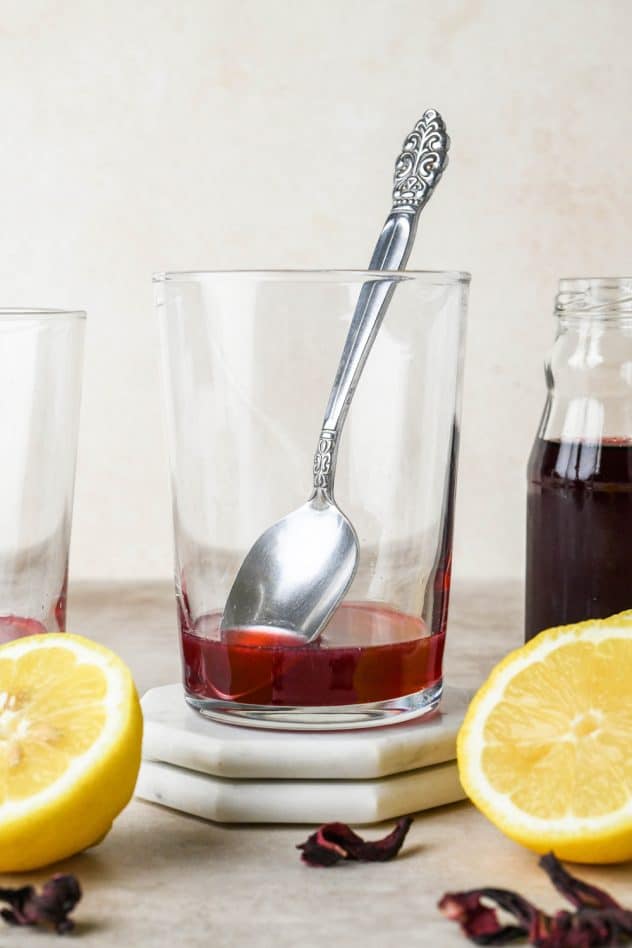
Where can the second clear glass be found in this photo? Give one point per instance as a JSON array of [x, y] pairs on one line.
[[41, 354], [249, 358]]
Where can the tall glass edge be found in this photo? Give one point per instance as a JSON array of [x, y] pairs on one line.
[[438, 277]]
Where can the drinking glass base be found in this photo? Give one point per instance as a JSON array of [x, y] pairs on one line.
[[334, 718]]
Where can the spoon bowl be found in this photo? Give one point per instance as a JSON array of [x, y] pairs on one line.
[[296, 573]]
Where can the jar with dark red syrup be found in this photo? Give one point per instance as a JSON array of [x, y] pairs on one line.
[[579, 507]]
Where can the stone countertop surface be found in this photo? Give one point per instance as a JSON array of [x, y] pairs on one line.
[[163, 878]]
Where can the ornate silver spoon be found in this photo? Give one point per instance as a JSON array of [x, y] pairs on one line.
[[299, 570]]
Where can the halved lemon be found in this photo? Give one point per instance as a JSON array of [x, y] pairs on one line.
[[70, 741], [545, 750]]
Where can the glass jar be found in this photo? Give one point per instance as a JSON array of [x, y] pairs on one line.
[[579, 508], [249, 359]]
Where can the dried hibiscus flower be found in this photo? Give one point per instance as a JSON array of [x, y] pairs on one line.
[[336, 842], [598, 920], [49, 908]]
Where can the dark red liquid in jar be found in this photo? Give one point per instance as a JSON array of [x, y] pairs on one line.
[[579, 532], [368, 653]]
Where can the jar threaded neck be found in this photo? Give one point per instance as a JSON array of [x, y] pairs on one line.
[[594, 297]]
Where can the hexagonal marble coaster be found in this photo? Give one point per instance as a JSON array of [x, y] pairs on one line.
[[298, 801], [175, 734]]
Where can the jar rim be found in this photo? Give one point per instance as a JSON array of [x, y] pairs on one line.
[[594, 297]]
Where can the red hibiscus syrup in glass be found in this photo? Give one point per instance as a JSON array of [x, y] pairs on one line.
[[368, 653], [579, 506]]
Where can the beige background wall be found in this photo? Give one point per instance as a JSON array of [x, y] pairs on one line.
[[150, 135]]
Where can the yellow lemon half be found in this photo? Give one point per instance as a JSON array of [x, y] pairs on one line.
[[545, 750], [70, 741]]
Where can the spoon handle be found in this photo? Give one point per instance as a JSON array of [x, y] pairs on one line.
[[417, 170]]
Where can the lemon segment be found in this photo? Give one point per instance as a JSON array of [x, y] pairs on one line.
[[70, 742], [545, 750]]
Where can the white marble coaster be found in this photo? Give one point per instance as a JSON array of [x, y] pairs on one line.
[[175, 734], [298, 801]]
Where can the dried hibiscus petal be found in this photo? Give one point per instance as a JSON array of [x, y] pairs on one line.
[[581, 894], [50, 907], [597, 921], [335, 842], [479, 922]]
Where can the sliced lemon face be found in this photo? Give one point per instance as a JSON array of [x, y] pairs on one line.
[[545, 750], [70, 738]]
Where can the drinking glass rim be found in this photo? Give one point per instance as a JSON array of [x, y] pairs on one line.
[[39, 312], [437, 277]]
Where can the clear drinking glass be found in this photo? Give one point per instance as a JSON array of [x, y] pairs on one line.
[[249, 359], [40, 381]]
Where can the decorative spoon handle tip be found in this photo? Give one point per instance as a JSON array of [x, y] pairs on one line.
[[421, 162]]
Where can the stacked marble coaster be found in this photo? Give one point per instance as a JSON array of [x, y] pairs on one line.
[[242, 775]]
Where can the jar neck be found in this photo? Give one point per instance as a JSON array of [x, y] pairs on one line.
[[593, 300], [589, 368]]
